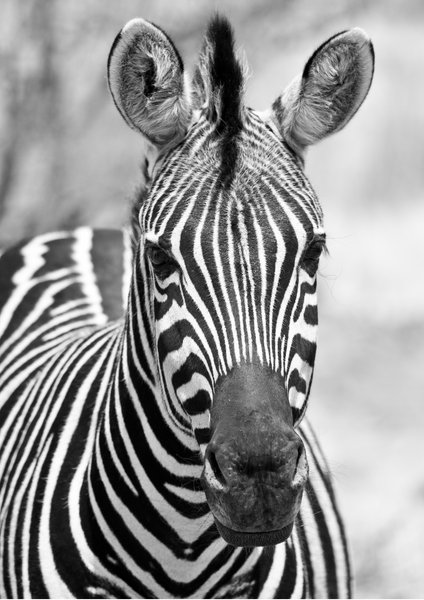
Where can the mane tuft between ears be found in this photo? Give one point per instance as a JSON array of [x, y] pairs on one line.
[[227, 75], [218, 89]]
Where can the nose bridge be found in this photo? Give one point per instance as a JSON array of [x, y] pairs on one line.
[[248, 393]]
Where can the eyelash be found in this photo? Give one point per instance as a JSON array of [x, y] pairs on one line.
[[315, 250]]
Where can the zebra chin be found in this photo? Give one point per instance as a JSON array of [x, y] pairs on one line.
[[255, 466], [251, 539]]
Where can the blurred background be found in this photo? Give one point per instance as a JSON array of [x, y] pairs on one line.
[[67, 158]]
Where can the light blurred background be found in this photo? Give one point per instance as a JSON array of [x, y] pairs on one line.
[[67, 158]]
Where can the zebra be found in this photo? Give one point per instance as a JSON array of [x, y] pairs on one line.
[[154, 381]]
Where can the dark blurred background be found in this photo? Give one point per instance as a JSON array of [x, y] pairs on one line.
[[67, 158]]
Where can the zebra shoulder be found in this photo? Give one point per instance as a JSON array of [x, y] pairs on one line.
[[54, 273]]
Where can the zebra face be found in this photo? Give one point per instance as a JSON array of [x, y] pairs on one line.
[[231, 235], [233, 270]]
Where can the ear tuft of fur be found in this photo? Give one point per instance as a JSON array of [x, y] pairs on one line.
[[148, 83], [333, 85]]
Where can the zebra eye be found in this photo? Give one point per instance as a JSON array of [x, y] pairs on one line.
[[157, 256], [314, 250]]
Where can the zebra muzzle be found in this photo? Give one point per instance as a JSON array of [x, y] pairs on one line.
[[255, 466]]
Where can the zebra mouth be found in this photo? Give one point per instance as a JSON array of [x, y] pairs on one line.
[[250, 539]]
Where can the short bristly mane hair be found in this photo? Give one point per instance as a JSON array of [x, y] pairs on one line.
[[219, 86]]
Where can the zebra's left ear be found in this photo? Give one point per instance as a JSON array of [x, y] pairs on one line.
[[333, 85], [148, 83]]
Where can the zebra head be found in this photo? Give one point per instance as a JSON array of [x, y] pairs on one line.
[[231, 233]]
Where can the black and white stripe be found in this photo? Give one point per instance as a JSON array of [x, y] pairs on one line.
[[81, 455]]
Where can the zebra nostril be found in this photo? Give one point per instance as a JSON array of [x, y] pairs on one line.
[[212, 462], [299, 455], [301, 469]]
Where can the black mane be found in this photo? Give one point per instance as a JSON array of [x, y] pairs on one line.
[[226, 86], [226, 76]]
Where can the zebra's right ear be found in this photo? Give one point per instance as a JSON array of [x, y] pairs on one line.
[[148, 83]]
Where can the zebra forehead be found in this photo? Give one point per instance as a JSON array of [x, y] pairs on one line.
[[268, 187]]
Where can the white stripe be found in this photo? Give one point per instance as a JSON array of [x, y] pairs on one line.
[[275, 573], [81, 254]]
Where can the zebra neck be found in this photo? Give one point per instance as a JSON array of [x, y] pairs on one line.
[[151, 521]]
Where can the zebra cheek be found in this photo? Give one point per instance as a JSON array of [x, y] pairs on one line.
[[197, 403]]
